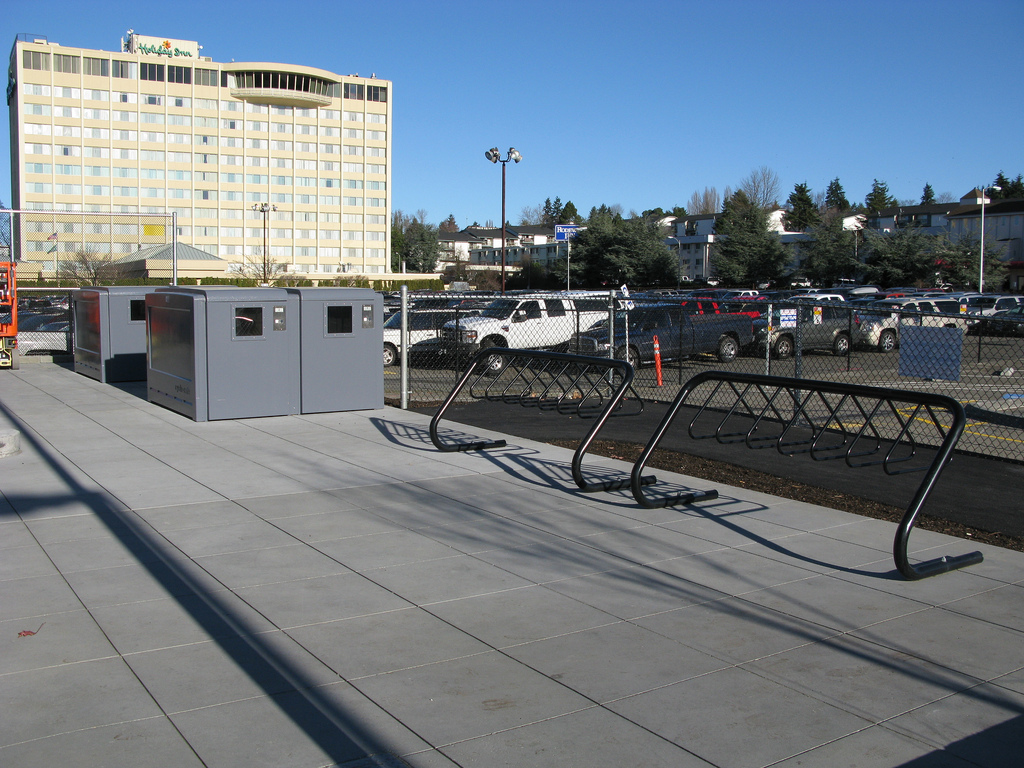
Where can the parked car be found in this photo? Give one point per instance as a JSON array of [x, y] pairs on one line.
[[700, 306], [822, 326], [1006, 322], [753, 306], [680, 335], [989, 304], [423, 325], [52, 337], [522, 322], [878, 324], [818, 297]]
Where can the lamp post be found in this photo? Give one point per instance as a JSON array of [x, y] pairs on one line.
[[494, 155], [679, 260], [265, 209], [981, 255]]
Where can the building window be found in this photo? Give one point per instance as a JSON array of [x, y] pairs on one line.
[[353, 91], [179, 74], [98, 67], [153, 72], [35, 60], [377, 93], [65, 63], [123, 69]]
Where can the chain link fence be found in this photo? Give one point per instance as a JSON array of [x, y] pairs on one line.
[[974, 359], [74, 248], [58, 251]]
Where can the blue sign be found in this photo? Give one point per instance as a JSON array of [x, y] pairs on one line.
[[565, 231], [930, 353]]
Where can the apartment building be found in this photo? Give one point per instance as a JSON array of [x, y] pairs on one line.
[[256, 159]]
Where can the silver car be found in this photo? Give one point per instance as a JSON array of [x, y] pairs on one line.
[[878, 325]]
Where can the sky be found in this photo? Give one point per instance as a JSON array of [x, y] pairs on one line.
[[637, 105]]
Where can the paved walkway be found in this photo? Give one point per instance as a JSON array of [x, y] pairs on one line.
[[330, 590]]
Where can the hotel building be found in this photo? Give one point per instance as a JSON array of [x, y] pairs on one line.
[[156, 127]]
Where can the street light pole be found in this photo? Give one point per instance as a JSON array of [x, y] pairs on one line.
[[981, 255], [494, 155], [265, 208]]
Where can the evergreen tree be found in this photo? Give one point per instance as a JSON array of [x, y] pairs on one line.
[[879, 198], [956, 261], [569, 214], [835, 197], [1015, 189], [449, 224], [802, 213], [832, 254], [927, 195], [1010, 190], [417, 246], [613, 251], [901, 257], [1002, 182], [750, 253]]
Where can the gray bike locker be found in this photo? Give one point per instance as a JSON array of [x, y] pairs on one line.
[[342, 337], [110, 332], [224, 352]]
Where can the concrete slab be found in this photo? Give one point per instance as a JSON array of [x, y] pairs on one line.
[[329, 589]]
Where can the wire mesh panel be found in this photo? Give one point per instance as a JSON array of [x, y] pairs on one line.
[[75, 248], [975, 360]]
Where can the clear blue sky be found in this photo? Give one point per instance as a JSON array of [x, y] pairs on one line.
[[637, 104]]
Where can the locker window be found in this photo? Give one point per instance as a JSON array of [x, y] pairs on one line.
[[137, 310], [248, 322], [339, 319]]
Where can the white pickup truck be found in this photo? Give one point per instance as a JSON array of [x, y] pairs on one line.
[[522, 322]]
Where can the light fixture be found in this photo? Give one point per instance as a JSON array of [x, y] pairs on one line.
[[494, 155]]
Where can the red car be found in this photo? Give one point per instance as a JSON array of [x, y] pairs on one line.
[[700, 306]]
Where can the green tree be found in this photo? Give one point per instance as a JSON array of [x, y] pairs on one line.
[[613, 251], [901, 257], [1009, 190], [449, 224], [750, 252], [956, 262], [414, 243], [802, 213], [879, 198], [927, 195], [835, 197], [551, 212], [569, 214], [832, 254]]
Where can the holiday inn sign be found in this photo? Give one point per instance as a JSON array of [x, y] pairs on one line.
[[156, 46]]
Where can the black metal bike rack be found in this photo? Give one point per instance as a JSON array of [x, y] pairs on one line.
[[577, 385], [865, 426]]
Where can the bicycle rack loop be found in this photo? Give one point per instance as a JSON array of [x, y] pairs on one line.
[[825, 421], [568, 384]]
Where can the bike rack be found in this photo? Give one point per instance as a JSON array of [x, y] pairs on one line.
[[586, 387], [826, 421]]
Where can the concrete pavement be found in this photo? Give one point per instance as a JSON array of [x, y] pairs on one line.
[[330, 590]]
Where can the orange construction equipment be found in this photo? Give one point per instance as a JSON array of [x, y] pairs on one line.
[[8, 315]]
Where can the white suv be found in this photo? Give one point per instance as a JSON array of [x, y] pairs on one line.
[[878, 324]]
